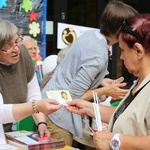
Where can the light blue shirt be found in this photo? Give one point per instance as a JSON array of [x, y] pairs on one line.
[[83, 68]]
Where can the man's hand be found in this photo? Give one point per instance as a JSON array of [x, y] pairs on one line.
[[108, 81]]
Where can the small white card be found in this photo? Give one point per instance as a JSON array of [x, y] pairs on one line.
[[62, 96]]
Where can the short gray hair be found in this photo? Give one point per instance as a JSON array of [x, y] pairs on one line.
[[7, 31], [28, 38]]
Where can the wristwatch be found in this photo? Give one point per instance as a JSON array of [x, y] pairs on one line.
[[115, 142]]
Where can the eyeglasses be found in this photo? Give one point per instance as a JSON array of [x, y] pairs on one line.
[[10, 48], [127, 29]]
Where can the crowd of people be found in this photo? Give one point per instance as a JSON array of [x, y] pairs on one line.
[[82, 71], [129, 123]]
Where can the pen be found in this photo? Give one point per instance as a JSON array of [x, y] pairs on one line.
[[88, 126]]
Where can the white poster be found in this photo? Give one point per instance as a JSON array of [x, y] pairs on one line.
[[68, 33]]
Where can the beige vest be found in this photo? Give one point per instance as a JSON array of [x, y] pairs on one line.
[[135, 120]]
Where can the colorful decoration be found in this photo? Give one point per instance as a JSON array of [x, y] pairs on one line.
[[27, 5], [34, 28], [33, 16], [3, 3], [28, 13]]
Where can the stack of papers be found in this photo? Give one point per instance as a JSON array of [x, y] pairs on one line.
[[32, 141]]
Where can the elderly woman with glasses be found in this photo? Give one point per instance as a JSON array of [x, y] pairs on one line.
[[129, 123], [18, 83]]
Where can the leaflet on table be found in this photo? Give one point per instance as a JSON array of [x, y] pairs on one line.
[[15, 134], [61, 96]]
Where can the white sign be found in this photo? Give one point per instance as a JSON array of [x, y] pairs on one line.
[[68, 33], [49, 27]]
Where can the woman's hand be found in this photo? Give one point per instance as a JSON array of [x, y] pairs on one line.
[[116, 91], [108, 81], [48, 106], [80, 107], [102, 140], [43, 131]]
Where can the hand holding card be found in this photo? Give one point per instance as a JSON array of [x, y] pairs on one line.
[[62, 96]]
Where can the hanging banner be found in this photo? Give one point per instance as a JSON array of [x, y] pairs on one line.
[[29, 16]]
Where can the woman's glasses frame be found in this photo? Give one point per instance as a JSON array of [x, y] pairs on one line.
[[18, 43]]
